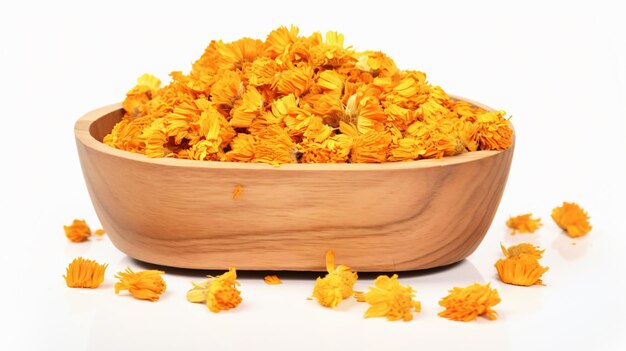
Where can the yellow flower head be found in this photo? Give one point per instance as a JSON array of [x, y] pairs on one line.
[[241, 148], [388, 298], [572, 218], [521, 265], [522, 249], [251, 106], [227, 89], [523, 270], [140, 95], [465, 304], [335, 149], [218, 293], [143, 285], [494, 132], [82, 273], [274, 146], [197, 294], [337, 285], [294, 81], [370, 147], [78, 231], [524, 223], [272, 280], [280, 39], [331, 81], [222, 293]]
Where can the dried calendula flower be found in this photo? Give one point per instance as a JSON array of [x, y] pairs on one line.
[[219, 293], [222, 293], [197, 294], [523, 223], [521, 265], [99, 232], [272, 280], [572, 219], [284, 99], [337, 285], [143, 285], [522, 249], [521, 270], [465, 304], [388, 298], [77, 231], [83, 273]]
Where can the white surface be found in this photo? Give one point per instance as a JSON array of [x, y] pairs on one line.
[[559, 69]]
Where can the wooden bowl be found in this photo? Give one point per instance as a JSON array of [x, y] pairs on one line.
[[375, 217]]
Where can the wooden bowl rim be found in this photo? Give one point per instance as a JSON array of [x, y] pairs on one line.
[[83, 135]]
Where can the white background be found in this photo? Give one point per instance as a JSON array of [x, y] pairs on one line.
[[558, 68]]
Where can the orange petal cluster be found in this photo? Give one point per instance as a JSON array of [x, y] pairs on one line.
[[523, 223], [521, 265], [272, 280], [466, 304], [300, 99], [218, 293], [572, 219], [83, 273], [143, 285], [337, 285], [388, 298], [77, 231]]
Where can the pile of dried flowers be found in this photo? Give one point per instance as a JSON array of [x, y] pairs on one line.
[[300, 99]]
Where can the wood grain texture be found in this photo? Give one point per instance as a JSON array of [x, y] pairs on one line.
[[375, 217]]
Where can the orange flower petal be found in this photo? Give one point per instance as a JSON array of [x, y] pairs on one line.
[[83, 273], [272, 280]]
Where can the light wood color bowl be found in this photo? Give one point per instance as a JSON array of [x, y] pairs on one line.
[[375, 217]]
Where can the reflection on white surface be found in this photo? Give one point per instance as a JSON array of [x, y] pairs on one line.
[[571, 248], [523, 299]]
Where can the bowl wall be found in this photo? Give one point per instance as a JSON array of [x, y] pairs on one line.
[[375, 217]]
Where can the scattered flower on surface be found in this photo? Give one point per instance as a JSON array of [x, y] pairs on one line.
[[272, 280], [524, 223], [77, 231], [522, 249], [337, 285], [466, 304], [218, 293], [83, 273], [521, 265], [521, 270], [572, 219], [99, 232], [143, 285], [388, 298], [197, 294]]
